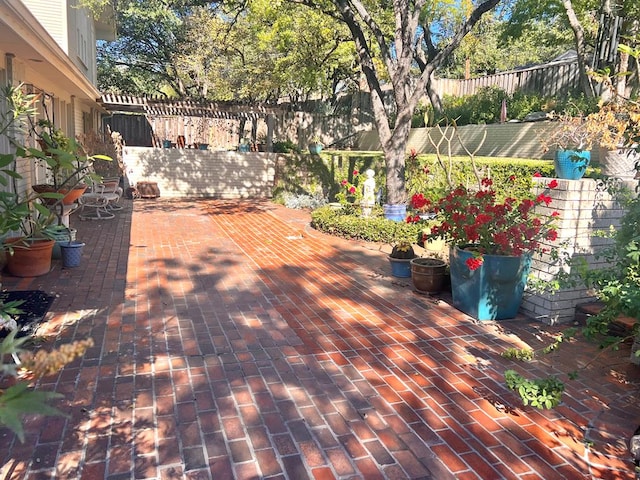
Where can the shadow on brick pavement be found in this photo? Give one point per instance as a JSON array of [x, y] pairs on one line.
[[234, 341]]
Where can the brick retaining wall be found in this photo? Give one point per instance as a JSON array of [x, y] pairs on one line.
[[585, 207], [202, 173]]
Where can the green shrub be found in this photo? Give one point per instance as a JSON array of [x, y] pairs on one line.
[[426, 176], [484, 106], [542, 393], [348, 223], [285, 146], [308, 175], [481, 108]]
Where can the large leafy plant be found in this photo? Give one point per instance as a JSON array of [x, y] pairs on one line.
[[24, 212], [21, 210]]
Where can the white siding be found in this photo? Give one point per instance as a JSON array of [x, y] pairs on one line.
[[72, 29], [52, 15]]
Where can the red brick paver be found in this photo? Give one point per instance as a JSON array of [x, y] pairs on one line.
[[233, 341]]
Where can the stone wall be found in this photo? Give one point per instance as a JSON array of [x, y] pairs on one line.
[[202, 173], [585, 206]]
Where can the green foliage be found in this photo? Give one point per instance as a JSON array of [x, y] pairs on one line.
[[425, 175], [348, 223], [489, 48], [285, 146], [543, 393], [255, 51], [522, 354], [481, 108], [307, 174], [20, 210], [484, 106], [539, 393], [18, 399]]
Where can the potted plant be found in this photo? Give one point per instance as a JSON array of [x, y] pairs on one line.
[[27, 218], [491, 244], [618, 125], [573, 138], [400, 257], [67, 170], [261, 143], [244, 145], [315, 145], [428, 274]]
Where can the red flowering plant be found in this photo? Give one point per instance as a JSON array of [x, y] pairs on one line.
[[350, 191], [510, 227], [421, 207]]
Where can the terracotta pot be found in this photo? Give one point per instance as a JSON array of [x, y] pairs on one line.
[[70, 197], [30, 259]]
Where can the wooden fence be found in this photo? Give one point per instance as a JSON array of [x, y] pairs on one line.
[[548, 80]]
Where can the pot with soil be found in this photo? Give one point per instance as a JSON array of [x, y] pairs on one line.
[[428, 274], [399, 258]]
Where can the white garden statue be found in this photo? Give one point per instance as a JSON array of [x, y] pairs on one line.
[[368, 193]]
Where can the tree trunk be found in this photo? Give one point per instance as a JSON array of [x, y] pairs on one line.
[[436, 102], [578, 34], [394, 153], [397, 64]]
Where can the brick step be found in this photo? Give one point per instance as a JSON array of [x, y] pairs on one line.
[[622, 326]]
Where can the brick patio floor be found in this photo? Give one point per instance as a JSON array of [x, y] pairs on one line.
[[233, 341]]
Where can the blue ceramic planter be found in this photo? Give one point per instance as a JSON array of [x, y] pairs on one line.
[[400, 267], [315, 148], [571, 164], [492, 292], [397, 213]]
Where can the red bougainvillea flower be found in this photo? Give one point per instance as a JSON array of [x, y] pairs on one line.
[[474, 263], [343, 182], [352, 189], [537, 174], [542, 198], [420, 202], [356, 173], [477, 219]]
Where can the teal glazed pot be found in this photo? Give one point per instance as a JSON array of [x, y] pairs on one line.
[[493, 291], [571, 164]]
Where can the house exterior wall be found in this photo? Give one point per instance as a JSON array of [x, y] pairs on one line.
[[52, 15], [38, 50], [73, 30]]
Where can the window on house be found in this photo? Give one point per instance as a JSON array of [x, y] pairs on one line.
[[82, 31]]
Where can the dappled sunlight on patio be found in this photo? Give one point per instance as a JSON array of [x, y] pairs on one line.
[[246, 344]]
